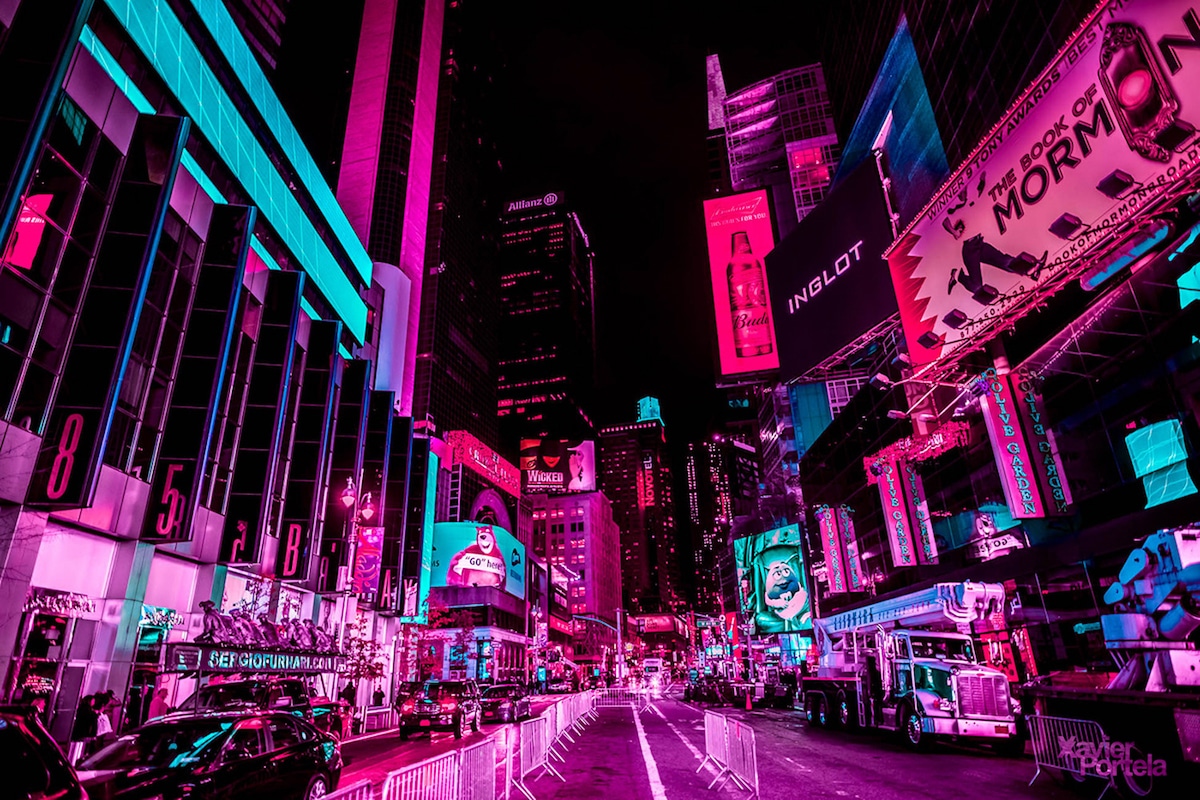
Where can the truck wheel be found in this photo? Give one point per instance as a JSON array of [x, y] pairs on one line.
[[914, 735], [846, 717], [810, 710], [825, 715]]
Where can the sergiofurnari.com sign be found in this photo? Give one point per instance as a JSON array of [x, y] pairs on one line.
[[189, 658]]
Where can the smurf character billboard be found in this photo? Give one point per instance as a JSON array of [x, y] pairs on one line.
[[478, 554], [772, 582]]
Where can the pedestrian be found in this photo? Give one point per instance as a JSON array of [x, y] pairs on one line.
[[39, 708], [84, 729], [349, 693], [377, 698], [158, 704]]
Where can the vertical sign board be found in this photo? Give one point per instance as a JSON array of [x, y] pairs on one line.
[[1047, 465], [308, 475], [845, 523], [253, 485], [895, 513], [740, 234], [376, 455], [76, 434], [834, 548], [922, 528], [1106, 131], [395, 516], [192, 415], [1025, 471], [350, 430]]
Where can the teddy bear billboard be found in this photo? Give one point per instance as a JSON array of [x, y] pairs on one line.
[[477, 554]]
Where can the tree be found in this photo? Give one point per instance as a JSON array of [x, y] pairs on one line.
[[442, 617], [364, 657]]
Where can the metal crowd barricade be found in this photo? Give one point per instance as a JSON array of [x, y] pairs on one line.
[[477, 771], [731, 746], [743, 755], [360, 790], [434, 778], [379, 718], [1056, 743], [532, 753]]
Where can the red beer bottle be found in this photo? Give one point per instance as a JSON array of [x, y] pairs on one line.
[[748, 300]]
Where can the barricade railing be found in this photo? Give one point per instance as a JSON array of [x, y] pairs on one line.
[[619, 697], [731, 746], [360, 790], [467, 774], [379, 718], [1056, 744], [532, 753]]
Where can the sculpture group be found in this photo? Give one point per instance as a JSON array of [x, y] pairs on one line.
[[238, 628]]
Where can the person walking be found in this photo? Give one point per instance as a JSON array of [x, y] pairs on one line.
[[84, 729], [158, 704]]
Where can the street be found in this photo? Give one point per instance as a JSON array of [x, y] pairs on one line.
[[657, 754]]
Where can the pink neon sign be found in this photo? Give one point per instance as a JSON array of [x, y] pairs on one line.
[[845, 522], [918, 507], [740, 235], [476, 455], [1047, 465], [27, 233], [896, 513]]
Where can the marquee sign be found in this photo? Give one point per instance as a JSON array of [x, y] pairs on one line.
[[834, 548], [905, 511], [1104, 133], [218, 658]]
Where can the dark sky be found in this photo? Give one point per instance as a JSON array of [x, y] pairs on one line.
[[609, 107]]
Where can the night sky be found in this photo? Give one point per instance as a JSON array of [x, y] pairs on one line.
[[611, 110]]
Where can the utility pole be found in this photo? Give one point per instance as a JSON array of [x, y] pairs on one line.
[[620, 650]]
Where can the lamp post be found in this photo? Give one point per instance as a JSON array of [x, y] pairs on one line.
[[366, 510]]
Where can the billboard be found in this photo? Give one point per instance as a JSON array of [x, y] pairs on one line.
[[472, 554], [558, 465], [829, 282], [772, 584], [1092, 143], [905, 511], [740, 234]]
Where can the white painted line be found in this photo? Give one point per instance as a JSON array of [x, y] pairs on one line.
[[656, 786], [365, 736], [656, 710]]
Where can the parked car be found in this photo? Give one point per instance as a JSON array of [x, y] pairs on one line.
[[442, 706], [267, 694], [405, 690], [332, 716], [560, 686], [505, 702], [233, 753], [36, 767]]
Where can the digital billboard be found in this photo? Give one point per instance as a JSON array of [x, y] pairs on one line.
[[1095, 140], [558, 465], [772, 585], [740, 234], [473, 554], [829, 282]]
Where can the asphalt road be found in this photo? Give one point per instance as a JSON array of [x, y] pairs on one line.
[[657, 756]]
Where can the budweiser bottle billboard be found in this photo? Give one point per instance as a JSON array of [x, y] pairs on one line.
[[748, 300]]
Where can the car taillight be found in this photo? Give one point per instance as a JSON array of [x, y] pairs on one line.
[[449, 705], [408, 706]]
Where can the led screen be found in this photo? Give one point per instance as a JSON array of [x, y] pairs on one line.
[[740, 235], [772, 585], [474, 554], [558, 465]]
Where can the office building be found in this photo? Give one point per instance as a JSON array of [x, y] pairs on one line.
[[636, 476], [722, 485], [180, 300], [779, 135], [582, 541], [547, 326], [715, 147]]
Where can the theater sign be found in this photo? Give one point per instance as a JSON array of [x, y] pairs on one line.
[[1105, 132]]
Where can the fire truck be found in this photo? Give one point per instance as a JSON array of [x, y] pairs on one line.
[[902, 664], [1151, 705]]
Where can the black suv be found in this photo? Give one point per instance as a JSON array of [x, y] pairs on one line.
[[32, 764], [442, 706], [247, 753], [268, 694]]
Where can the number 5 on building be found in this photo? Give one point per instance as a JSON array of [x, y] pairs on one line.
[[172, 502]]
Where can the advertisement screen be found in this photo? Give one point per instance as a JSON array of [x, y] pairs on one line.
[[740, 234], [772, 584], [558, 465], [829, 282], [471, 554], [1104, 132]]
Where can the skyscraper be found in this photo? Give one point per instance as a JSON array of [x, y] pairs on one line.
[[636, 476], [457, 344], [722, 484], [261, 22], [547, 327], [716, 148], [780, 135]]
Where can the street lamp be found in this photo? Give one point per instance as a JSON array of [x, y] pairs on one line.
[[366, 510]]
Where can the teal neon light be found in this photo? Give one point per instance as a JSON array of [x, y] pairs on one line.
[[160, 36], [110, 65], [224, 31], [424, 579]]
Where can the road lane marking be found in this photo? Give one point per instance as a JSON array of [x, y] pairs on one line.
[[656, 786]]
